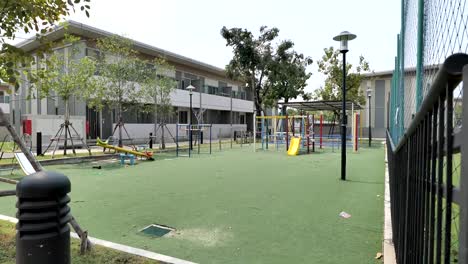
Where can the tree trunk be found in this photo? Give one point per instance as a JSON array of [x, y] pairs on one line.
[[284, 112], [163, 143], [4, 122], [67, 118], [284, 109], [120, 124], [155, 116], [257, 98]]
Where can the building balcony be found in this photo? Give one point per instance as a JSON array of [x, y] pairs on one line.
[[181, 98]]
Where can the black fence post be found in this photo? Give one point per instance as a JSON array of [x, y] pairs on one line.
[[463, 221], [43, 234], [150, 140], [39, 143]]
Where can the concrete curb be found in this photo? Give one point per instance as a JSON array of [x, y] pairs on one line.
[[388, 248], [120, 247], [71, 160]]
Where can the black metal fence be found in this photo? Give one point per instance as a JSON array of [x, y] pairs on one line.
[[429, 177]]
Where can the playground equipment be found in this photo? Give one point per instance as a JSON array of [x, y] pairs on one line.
[[355, 133], [124, 156], [295, 146], [85, 243], [332, 138], [196, 131], [282, 130], [8, 150], [147, 154], [24, 163], [160, 140]]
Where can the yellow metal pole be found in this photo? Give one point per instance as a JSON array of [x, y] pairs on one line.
[[274, 132]]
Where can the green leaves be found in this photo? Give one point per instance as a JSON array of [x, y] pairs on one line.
[[251, 58], [65, 74], [287, 75], [272, 73], [29, 16], [123, 77], [157, 86], [331, 66]]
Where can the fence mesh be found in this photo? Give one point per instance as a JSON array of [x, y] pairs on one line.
[[409, 58], [431, 31]]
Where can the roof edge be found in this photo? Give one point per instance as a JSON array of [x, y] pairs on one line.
[[79, 28]]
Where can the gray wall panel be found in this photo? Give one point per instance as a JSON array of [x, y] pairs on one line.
[[379, 104], [50, 106]]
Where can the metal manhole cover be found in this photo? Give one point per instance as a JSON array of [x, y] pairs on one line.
[[156, 230]]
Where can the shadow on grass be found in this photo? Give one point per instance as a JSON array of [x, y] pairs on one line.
[[356, 227], [366, 182]]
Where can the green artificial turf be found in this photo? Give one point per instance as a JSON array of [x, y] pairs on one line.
[[236, 206]]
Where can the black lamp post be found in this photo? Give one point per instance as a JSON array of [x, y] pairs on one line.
[[343, 38], [369, 95], [190, 88]]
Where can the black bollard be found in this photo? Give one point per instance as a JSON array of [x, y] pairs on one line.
[[39, 143], [151, 141], [43, 234]]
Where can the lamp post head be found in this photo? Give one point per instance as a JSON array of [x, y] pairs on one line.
[[343, 38], [369, 92], [190, 88]]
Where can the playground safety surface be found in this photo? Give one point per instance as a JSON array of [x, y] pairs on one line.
[[236, 206]]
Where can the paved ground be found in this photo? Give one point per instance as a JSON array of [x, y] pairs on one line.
[[236, 206]]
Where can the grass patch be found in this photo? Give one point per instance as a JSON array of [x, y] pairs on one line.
[[98, 255]]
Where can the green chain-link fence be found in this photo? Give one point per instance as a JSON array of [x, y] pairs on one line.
[[431, 31]]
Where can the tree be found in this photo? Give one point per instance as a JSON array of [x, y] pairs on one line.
[[332, 67], [251, 60], [67, 76], [119, 75], [157, 86], [288, 75], [29, 16]]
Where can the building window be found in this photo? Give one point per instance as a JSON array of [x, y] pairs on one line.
[[242, 119], [183, 84], [95, 54], [183, 117], [143, 117], [213, 90]]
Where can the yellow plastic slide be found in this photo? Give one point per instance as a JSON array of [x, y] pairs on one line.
[[148, 155], [294, 146]]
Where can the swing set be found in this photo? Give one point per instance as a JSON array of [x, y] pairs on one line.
[[194, 135]]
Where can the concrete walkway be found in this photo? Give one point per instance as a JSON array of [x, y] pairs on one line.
[[388, 247]]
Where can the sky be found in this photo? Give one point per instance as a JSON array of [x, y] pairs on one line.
[[192, 28]]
